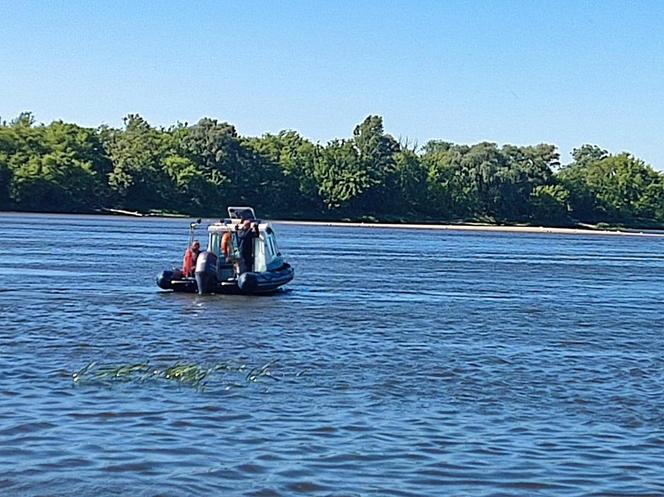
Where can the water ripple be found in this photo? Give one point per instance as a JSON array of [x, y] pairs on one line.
[[473, 364]]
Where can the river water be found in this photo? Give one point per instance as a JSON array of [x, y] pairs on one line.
[[397, 363]]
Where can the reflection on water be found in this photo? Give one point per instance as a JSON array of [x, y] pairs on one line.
[[397, 363]]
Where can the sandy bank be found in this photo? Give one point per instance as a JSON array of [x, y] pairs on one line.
[[480, 227], [448, 227]]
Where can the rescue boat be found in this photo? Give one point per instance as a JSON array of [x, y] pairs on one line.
[[215, 274]]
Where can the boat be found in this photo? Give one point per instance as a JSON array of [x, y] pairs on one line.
[[213, 274]]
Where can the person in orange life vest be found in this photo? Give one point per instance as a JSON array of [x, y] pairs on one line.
[[226, 246], [189, 260]]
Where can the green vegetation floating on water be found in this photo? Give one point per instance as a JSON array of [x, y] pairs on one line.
[[187, 374], [199, 169]]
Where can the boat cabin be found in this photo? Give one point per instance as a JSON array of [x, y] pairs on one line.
[[266, 251]]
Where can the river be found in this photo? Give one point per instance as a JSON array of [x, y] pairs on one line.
[[397, 363]]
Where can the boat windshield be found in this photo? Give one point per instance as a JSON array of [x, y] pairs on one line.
[[214, 243]]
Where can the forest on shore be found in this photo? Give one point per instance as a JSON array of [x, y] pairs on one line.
[[200, 169]]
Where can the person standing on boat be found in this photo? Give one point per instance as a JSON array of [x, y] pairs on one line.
[[226, 246], [245, 239], [189, 259]]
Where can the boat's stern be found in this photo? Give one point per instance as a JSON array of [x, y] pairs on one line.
[[173, 279]]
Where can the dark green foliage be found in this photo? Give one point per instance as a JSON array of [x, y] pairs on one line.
[[339, 175], [60, 167], [202, 168], [613, 188], [486, 181], [5, 182], [376, 161], [409, 182], [287, 161], [550, 204], [138, 179]]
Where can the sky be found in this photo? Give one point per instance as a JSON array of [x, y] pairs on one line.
[[521, 72]]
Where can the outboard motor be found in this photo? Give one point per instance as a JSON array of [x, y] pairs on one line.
[[206, 272]]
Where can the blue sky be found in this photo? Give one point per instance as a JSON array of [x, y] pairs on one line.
[[561, 72]]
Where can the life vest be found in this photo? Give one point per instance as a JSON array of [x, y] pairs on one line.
[[189, 261], [226, 245]]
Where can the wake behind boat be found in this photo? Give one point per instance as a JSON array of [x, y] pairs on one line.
[[242, 257]]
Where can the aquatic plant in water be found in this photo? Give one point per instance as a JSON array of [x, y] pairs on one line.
[[188, 374]]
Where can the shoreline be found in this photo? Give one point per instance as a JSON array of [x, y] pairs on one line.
[[479, 227], [544, 230]]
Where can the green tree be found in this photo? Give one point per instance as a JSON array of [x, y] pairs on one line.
[[587, 154], [54, 167], [294, 157], [550, 204], [339, 175], [615, 188], [376, 158], [5, 182], [451, 190], [526, 169], [411, 182], [215, 148], [22, 140], [195, 191], [55, 181], [486, 181], [138, 180], [207, 166]]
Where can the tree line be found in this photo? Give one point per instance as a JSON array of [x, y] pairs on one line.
[[200, 169]]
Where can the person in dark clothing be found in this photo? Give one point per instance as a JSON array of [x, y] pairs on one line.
[[245, 239]]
